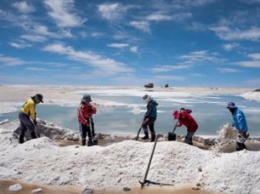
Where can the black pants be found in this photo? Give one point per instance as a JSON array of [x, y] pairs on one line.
[[240, 146], [85, 130], [149, 123]]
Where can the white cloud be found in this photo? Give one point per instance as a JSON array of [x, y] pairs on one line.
[[231, 46], [198, 57], [158, 17], [227, 70], [103, 64], [23, 7], [133, 49], [63, 13], [118, 45], [254, 56], [19, 45], [180, 4], [112, 11], [253, 64], [182, 16], [96, 34], [167, 68], [226, 33], [141, 25], [34, 38], [10, 61]]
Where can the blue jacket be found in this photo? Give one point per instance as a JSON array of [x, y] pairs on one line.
[[239, 121], [151, 109]]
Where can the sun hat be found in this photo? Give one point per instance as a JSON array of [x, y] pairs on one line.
[[176, 114], [231, 105]]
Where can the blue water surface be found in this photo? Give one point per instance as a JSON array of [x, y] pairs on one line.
[[209, 111]]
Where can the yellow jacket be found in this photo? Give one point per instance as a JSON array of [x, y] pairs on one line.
[[29, 108]]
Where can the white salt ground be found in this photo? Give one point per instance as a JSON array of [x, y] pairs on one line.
[[123, 165]]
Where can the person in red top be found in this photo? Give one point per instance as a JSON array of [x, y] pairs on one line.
[[184, 118], [86, 123]]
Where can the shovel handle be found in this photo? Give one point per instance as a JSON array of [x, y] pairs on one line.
[[175, 126]]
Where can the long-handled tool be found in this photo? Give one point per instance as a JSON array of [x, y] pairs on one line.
[[172, 135], [149, 164], [138, 133], [92, 138]]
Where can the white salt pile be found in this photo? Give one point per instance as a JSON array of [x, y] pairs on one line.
[[123, 164]]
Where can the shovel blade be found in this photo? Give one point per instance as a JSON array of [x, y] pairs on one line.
[[171, 136]]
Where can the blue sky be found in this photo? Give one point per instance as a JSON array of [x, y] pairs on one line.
[[212, 43]]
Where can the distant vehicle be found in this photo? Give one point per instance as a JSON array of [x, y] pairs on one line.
[[149, 85]]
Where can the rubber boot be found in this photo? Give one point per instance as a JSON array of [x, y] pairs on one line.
[[146, 136], [153, 137], [21, 139], [240, 146], [90, 143], [83, 142], [33, 135]]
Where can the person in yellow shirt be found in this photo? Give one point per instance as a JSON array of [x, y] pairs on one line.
[[27, 116]]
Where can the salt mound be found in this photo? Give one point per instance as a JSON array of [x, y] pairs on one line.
[[227, 132], [123, 164]]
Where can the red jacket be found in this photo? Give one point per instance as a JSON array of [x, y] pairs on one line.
[[84, 112], [187, 120]]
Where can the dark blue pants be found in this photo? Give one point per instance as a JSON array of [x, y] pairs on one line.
[[26, 123], [84, 130]]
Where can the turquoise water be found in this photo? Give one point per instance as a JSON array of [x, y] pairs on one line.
[[209, 111]]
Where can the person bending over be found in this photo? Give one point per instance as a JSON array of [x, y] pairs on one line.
[[27, 116], [239, 122], [184, 118]]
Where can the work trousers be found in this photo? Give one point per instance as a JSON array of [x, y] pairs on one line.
[[149, 123], [86, 130], [26, 123]]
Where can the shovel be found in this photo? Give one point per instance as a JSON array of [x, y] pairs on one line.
[[93, 140], [145, 181], [172, 135], [139, 130], [137, 136]]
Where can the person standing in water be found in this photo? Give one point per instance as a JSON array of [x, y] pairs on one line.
[[239, 122], [149, 117]]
